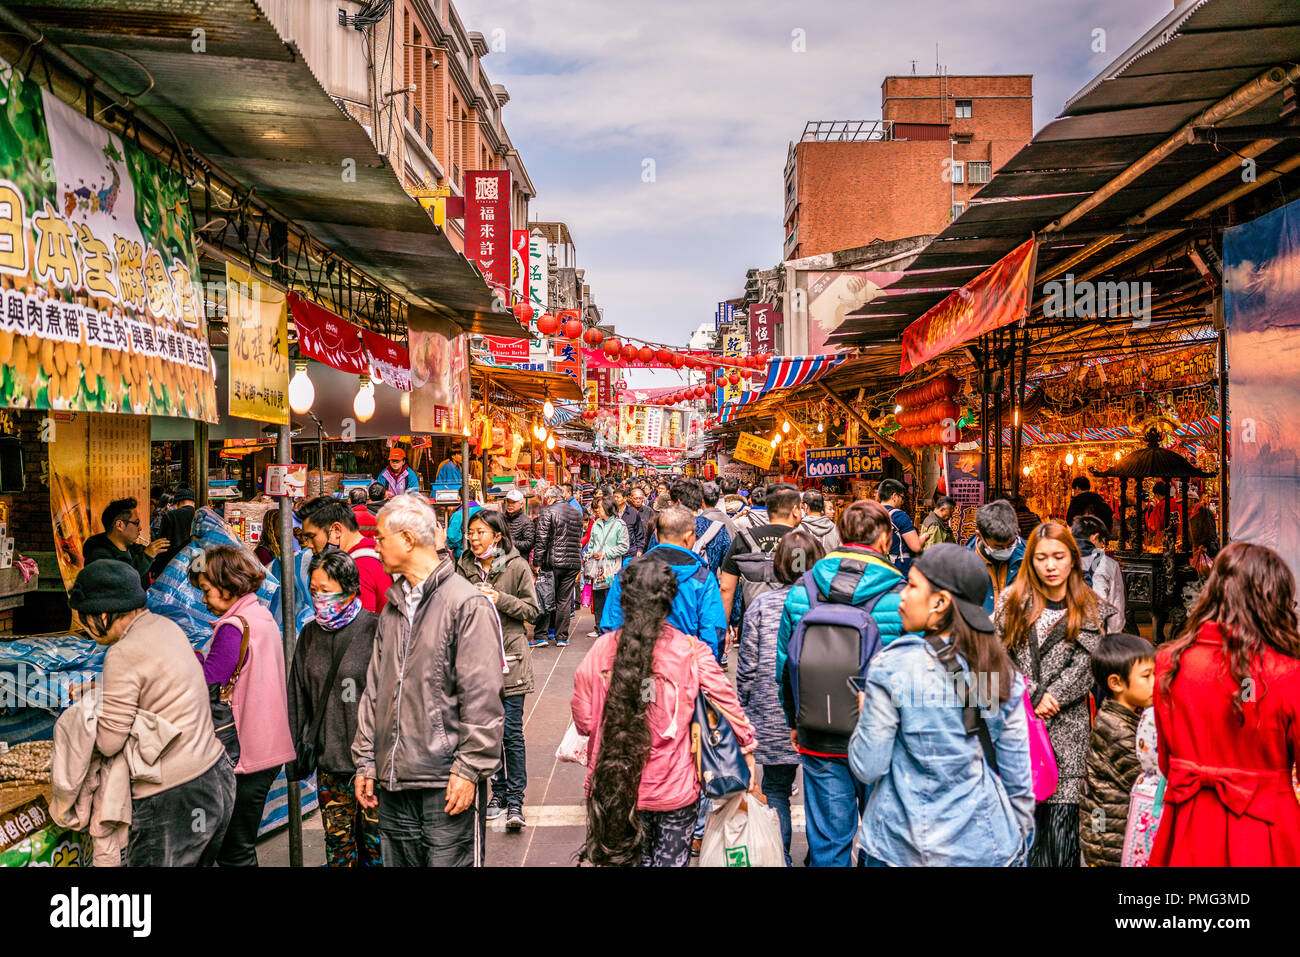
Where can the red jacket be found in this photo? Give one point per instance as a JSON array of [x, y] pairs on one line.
[[1229, 801], [375, 582], [364, 519]]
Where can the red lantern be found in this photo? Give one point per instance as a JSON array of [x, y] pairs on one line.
[[593, 336], [664, 356], [747, 374], [612, 347], [523, 312], [547, 324], [691, 362], [645, 354], [701, 392], [628, 353], [678, 360], [573, 329], [734, 378]]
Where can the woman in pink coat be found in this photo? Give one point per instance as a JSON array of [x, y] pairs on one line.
[[634, 694]]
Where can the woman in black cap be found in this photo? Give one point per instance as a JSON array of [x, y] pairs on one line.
[[180, 819], [942, 732]]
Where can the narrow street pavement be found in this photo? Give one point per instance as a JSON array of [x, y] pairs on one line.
[[554, 804]]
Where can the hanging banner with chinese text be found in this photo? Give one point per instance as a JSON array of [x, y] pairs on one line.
[[760, 327], [843, 460], [733, 346], [538, 274], [995, 298], [98, 269], [487, 225], [257, 322], [94, 458], [753, 449]]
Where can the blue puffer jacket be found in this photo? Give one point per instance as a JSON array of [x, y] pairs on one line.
[[1013, 568], [878, 577], [756, 678], [697, 609]]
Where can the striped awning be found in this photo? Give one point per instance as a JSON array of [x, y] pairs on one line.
[[563, 414], [787, 372]]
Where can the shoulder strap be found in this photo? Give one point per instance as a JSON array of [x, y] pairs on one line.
[[229, 686], [748, 539], [364, 553], [972, 720], [709, 535]]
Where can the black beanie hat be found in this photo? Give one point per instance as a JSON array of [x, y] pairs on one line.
[[106, 585]]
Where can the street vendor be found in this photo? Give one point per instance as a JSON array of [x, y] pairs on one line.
[[398, 477], [449, 470]]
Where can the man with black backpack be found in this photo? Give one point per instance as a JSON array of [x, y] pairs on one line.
[[748, 563], [835, 619]]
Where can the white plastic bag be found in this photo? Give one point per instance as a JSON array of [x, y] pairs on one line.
[[742, 831], [573, 746]]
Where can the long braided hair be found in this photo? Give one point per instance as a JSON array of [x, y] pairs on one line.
[[614, 832]]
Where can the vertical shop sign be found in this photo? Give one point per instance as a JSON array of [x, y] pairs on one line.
[[258, 327], [488, 225], [733, 346], [760, 327], [96, 458], [440, 387], [539, 272]]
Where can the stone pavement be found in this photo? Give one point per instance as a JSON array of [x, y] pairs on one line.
[[554, 798]]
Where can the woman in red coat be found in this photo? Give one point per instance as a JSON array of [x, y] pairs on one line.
[[1228, 720]]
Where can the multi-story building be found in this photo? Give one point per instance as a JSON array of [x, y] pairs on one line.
[[940, 138]]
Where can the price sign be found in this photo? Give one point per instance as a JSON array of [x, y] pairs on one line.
[[847, 460]]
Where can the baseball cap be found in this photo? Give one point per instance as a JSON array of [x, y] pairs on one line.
[[396, 454], [961, 573], [514, 495]]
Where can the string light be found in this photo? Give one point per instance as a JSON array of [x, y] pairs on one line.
[[548, 409], [785, 427], [550, 442], [1069, 458]]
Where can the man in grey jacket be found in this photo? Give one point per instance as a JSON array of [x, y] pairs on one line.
[[431, 719], [816, 522]]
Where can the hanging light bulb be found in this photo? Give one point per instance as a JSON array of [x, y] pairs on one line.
[[550, 442], [548, 409], [785, 427], [774, 443], [1118, 456], [821, 426], [897, 409], [1069, 458], [301, 391], [404, 403], [363, 406], [1025, 470]]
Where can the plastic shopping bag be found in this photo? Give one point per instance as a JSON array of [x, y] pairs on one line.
[[573, 746], [742, 831]]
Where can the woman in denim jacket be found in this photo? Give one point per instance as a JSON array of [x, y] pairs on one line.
[[936, 799]]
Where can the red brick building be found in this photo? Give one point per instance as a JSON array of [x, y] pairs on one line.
[[939, 139]]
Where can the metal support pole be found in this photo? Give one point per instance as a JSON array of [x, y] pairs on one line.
[[464, 484], [289, 634], [1223, 421], [200, 464]]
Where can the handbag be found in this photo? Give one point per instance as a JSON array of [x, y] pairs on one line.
[[718, 759], [307, 748], [545, 593], [219, 695], [599, 572]]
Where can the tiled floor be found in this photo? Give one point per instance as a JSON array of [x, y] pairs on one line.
[[554, 801]]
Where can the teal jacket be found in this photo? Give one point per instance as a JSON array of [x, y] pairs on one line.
[[456, 531], [878, 576]]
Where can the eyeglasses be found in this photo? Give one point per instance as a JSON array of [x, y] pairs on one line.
[[134, 521]]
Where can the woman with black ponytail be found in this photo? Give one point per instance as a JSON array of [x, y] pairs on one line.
[[634, 695]]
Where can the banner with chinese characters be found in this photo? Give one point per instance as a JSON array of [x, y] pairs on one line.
[[754, 450], [98, 271], [760, 327], [593, 399], [568, 356], [538, 274], [440, 396], [506, 350], [488, 226], [995, 298], [257, 322], [94, 459], [844, 460], [632, 425], [733, 346], [326, 337]]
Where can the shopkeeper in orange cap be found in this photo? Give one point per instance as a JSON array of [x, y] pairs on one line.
[[398, 477]]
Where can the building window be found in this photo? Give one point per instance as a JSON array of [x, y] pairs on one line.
[[958, 171], [963, 109], [979, 172], [958, 209]]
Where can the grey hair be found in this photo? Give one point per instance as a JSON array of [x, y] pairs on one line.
[[996, 522], [552, 494], [412, 514]]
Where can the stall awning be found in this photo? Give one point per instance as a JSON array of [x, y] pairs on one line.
[[251, 104], [538, 386]]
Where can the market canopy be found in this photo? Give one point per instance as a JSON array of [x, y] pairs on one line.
[[1123, 184], [529, 384], [251, 104]]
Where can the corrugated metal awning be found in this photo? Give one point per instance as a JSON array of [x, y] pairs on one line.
[[250, 103]]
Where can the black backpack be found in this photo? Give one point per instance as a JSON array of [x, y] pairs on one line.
[[757, 572]]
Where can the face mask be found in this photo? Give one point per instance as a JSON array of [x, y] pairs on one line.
[[336, 610], [999, 554]]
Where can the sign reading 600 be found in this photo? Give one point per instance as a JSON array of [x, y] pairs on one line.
[[846, 460]]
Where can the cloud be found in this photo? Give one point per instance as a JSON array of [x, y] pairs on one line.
[[713, 93]]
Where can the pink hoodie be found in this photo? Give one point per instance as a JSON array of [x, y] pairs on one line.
[[261, 699], [682, 665]]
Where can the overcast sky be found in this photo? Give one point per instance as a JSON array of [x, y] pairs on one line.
[[712, 93]]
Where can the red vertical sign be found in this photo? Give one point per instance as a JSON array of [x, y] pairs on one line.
[[487, 226], [760, 327]]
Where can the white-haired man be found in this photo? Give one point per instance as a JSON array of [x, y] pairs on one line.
[[430, 721]]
